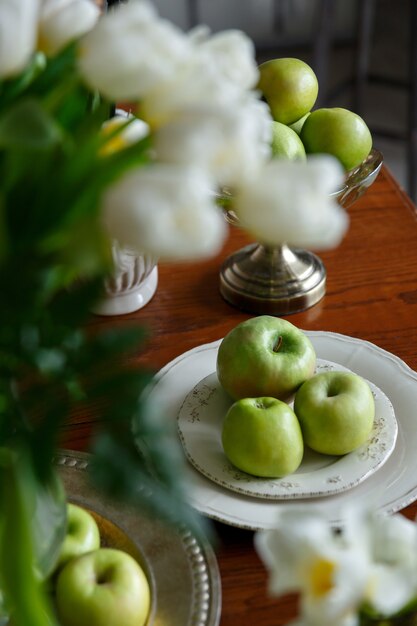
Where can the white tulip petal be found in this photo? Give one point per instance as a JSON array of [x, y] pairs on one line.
[[167, 211], [233, 53], [131, 133], [289, 203], [231, 145], [196, 83], [326, 172], [341, 594], [279, 560], [18, 34], [393, 544], [62, 21], [304, 554], [390, 589], [394, 541], [130, 51], [299, 540]]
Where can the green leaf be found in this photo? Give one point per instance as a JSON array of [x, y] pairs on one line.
[[57, 67], [51, 360], [4, 237], [14, 87], [20, 582], [28, 126], [49, 524], [407, 616], [121, 476], [71, 307], [81, 251]]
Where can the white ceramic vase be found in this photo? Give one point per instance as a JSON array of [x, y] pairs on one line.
[[132, 285]]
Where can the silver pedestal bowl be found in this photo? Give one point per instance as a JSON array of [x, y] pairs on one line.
[[279, 280]]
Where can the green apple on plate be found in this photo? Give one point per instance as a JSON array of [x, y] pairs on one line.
[[336, 412], [264, 356], [286, 143], [262, 436], [105, 587], [338, 132], [290, 88], [82, 535]]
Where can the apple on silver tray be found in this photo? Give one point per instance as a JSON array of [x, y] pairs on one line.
[[191, 596]]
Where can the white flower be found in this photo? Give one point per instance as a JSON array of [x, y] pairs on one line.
[[289, 202], [130, 51], [62, 21], [303, 554], [217, 72], [233, 144], [129, 134], [198, 82], [167, 211], [134, 55], [18, 34], [232, 52], [393, 581]]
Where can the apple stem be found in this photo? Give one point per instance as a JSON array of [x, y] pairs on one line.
[[278, 344]]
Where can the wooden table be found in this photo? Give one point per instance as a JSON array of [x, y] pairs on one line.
[[371, 294]]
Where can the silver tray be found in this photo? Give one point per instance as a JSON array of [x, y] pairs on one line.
[[183, 573]]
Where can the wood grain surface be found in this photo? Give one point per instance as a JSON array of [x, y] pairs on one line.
[[371, 294]]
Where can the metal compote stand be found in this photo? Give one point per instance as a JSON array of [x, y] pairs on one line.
[[279, 280]]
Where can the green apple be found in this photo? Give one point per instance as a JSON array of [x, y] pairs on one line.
[[82, 535], [264, 356], [105, 587], [290, 88], [262, 436], [297, 126], [338, 132], [336, 412], [286, 143]]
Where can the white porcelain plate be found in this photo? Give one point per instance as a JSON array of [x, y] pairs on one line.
[[391, 488], [200, 422]]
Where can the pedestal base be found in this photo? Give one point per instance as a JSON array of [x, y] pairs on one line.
[[272, 280], [132, 300]]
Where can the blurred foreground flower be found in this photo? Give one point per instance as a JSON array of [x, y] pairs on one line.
[[18, 33], [62, 21], [393, 578], [231, 145], [290, 202], [366, 569], [167, 211], [131, 51], [122, 131], [304, 554]]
